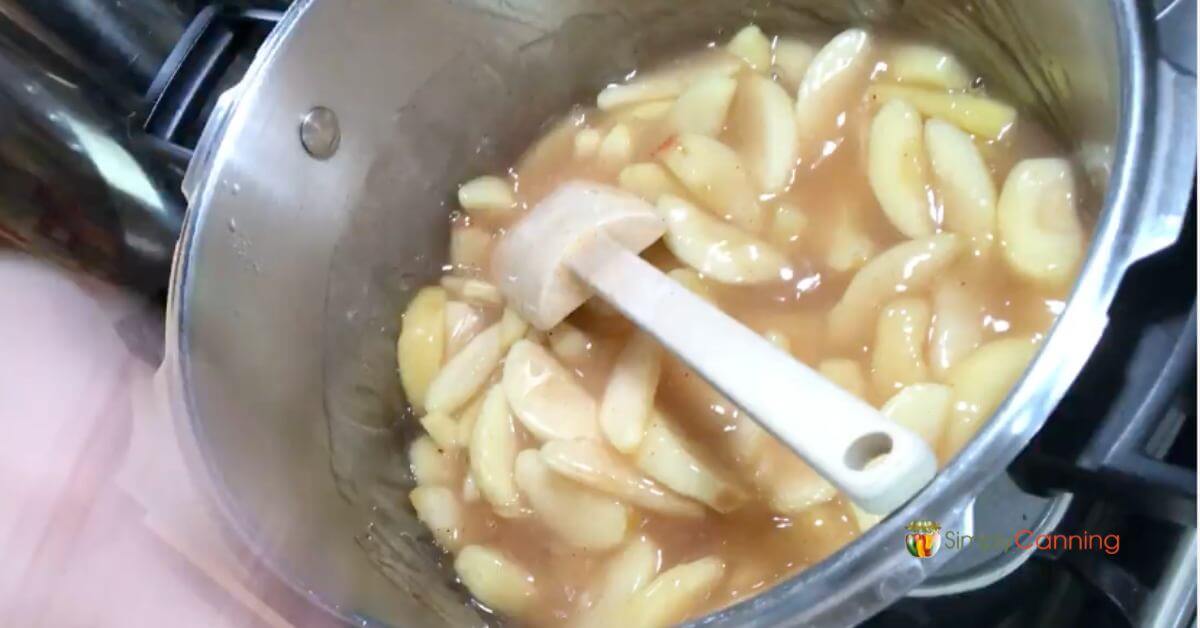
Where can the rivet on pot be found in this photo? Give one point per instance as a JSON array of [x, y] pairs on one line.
[[319, 133]]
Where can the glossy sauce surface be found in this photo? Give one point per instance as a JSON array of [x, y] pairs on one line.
[[830, 227]]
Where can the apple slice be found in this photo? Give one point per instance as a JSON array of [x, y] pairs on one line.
[[616, 149], [547, 398], [848, 246], [624, 575], [669, 81], [498, 581], [649, 181], [470, 247], [714, 175], [896, 169], [422, 344], [837, 71], [472, 290], [576, 514], [629, 396], [898, 357], [789, 225], [717, 249], [439, 509], [463, 321], [466, 373], [668, 457], [981, 382], [846, 373], [493, 452], [587, 142], [432, 465], [906, 267], [674, 595], [963, 181], [923, 408], [592, 464], [487, 194], [973, 113], [791, 61], [702, 107], [1039, 228], [925, 65], [753, 47], [958, 315], [764, 122], [442, 428]]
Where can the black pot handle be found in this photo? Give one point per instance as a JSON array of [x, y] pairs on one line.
[[198, 68], [1125, 430]]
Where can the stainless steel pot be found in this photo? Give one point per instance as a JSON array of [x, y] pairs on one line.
[[319, 196]]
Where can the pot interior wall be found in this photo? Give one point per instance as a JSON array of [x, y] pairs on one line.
[[473, 83]]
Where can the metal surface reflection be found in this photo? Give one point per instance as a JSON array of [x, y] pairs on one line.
[[123, 41], [78, 183]]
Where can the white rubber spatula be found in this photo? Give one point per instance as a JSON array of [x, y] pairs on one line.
[[584, 239]]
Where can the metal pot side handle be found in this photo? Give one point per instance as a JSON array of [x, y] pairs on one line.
[[198, 67], [1171, 172], [206, 147]]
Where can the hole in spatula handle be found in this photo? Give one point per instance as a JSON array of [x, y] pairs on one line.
[[867, 448]]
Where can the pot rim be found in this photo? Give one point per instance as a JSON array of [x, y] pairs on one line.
[[864, 576]]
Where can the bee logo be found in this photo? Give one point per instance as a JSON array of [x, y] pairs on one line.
[[923, 539]]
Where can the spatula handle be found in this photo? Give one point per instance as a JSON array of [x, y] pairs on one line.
[[832, 430]]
